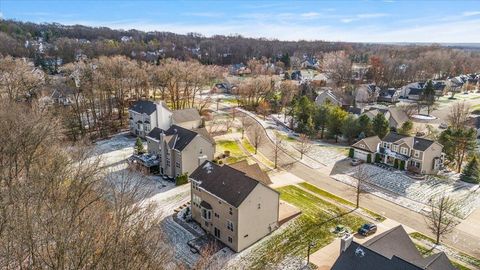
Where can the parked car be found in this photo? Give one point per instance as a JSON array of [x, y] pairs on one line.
[[355, 162], [367, 229], [443, 126]]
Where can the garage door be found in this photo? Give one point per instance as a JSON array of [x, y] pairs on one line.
[[360, 155]]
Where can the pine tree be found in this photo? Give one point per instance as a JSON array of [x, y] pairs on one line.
[[471, 172], [139, 146], [380, 125]]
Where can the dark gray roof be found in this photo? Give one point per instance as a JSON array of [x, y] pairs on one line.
[[421, 144], [179, 137], [225, 182], [143, 106], [393, 250], [393, 137], [416, 91]]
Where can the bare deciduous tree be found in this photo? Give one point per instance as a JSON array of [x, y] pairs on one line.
[[257, 137], [245, 123], [278, 147], [441, 219], [361, 175], [304, 145], [458, 116]]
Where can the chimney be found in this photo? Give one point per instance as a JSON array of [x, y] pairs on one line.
[[345, 242]]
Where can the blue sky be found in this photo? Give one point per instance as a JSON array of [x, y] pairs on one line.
[[361, 20]]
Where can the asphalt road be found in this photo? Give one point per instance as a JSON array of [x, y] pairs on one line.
[[458, 239]]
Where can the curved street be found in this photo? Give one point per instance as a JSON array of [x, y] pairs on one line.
[[459, 239]]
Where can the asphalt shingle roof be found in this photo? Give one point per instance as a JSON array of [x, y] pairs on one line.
[[143, 106], [393, 250], [185, 115], [225, 182]]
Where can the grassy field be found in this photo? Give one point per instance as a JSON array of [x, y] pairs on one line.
[[236, 154], [323, 193], [315, 223], [462, 257]]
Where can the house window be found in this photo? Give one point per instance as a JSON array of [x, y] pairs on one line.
[[207, 214], [230, 225], [217, 215], [147, 127], [230, 240], [245, 236], [404, 151], [231, 211], [196, 200], [201, 151], [177, 164], [259, 206], [168, 162], [216, 232], [395, 148], [417, 153]]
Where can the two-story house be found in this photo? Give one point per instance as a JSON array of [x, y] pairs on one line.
[[180, 150], [412, 153], [146, 115], [232, 206]]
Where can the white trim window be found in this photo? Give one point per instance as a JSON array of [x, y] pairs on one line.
[[404, 151], [196, 200], [416, 154], [230, 225]]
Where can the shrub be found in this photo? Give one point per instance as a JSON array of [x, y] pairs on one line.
[[377, 158], [369, 158], [402, 165], [350, 153], [395, 164], [181, 179]]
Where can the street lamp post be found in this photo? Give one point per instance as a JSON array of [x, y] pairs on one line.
[[310, 245]]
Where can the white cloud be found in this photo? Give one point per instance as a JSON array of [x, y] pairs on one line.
[[310, 14], [363, 16], [470, 13]]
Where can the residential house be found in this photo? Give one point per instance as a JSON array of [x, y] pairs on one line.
[[309, 63], [296, 75], [367, 93], [415, 154], [395, 116], [392, 250], [239, 69], [366, 148], [414, 91], [145, 115], [390, 95], [180, 150], [225, 88], [235, 207], [326, 95]]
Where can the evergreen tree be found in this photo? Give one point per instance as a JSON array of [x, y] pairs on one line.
[[406, 128], [139, 146], [471, 172], [380, 125], [429, 96], [320, 118], [365, 125], [335, 120], [350, 128]]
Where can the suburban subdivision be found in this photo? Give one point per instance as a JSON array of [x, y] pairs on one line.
[[339, 135]]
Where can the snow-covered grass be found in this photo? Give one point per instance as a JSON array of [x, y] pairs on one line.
[[423, 117], [396, 186]]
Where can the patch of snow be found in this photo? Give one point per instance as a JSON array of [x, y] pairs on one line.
[[423, 117]]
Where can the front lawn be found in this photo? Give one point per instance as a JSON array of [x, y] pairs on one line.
[[315, 223], [236, 154]]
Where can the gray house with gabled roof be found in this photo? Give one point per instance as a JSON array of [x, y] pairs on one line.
[[145, 115], [232, 205], [391, 250], [180, 150]]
